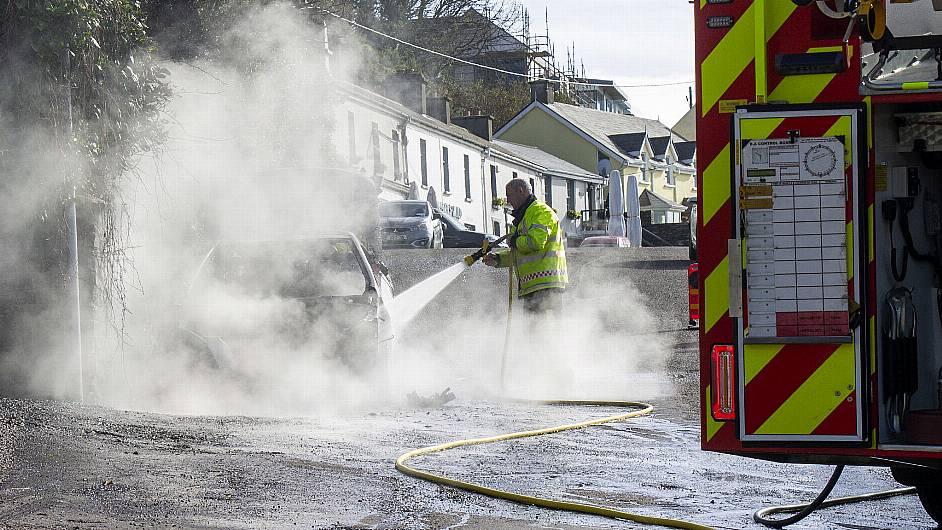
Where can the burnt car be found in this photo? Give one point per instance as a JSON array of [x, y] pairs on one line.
[[456, 235], [321, 296]]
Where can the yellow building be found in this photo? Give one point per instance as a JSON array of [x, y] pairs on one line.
[[601, 142]]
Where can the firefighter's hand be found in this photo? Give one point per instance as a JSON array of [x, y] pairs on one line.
[[490, 260]]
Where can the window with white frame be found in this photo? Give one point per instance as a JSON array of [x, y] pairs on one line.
[[669, 174], [645, 168], [446, 171]]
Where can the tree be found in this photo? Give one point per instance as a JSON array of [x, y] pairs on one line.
[[79, 103]]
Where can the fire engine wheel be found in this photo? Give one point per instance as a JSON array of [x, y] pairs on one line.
[[928, 484], [931, 498]]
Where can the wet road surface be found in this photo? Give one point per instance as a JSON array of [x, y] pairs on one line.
[[64, 465]]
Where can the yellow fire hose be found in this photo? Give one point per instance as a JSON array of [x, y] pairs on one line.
[[643, 409]]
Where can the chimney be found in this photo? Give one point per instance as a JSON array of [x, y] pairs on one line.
[[408, 88], [440, 109], [542, 91], [481, 125]]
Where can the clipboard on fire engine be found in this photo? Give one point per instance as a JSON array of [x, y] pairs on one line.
[[797, 193]]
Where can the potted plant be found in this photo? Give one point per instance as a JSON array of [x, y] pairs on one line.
[[573, 214], [498, 202]]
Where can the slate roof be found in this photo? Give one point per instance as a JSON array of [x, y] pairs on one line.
[[659, 146], [629, 144], [601, 125], [685, 152], [554, 165]]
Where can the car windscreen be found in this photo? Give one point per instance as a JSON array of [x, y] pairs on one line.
[[403, 209], [451, 223], [307, 269]]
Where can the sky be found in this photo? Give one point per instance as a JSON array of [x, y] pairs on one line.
[[632, 42]]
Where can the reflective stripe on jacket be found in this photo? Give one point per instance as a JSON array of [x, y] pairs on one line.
[[539, 257]]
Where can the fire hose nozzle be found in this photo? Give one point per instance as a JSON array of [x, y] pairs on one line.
[[486, 247]]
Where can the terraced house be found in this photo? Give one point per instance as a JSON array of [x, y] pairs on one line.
[[601, 142]]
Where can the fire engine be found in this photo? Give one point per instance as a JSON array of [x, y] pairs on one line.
[[819, 139]]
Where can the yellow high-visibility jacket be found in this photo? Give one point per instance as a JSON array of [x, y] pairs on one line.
[[539, 257]]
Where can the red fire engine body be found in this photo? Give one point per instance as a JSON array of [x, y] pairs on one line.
[[819, 156]]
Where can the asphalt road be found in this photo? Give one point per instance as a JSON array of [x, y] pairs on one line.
[[622, 336]]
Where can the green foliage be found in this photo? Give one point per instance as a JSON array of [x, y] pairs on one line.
[[114, 97]]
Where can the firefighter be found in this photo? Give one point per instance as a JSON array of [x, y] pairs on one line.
[[536, 251]]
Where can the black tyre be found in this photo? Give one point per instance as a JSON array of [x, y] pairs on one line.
[[928, 483], [931, 498]]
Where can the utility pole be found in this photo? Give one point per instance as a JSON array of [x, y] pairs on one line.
[[72, 218]]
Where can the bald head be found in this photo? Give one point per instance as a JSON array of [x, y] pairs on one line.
[[519, 185], [518, 191]]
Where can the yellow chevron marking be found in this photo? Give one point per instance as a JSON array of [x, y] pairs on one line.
[[817, 397], [712, 426], [736, 50], [717, 178], [842, 127], [800, 88], [727, 60], [716, 287], [716, 183], [756, 357]]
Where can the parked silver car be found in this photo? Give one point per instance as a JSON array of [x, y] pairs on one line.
[[410, 224]]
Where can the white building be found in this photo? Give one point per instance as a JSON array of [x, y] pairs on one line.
[[412, 146]]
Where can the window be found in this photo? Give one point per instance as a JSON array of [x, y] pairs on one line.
[[446, 176], [548, 191], [352, 136], [378, 168], [515, 174], [496, 228], [570, 195], [467, 177], [494, 181], [397, 169], [644, 168], [423, 160], [669, 175], [532, 185]]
